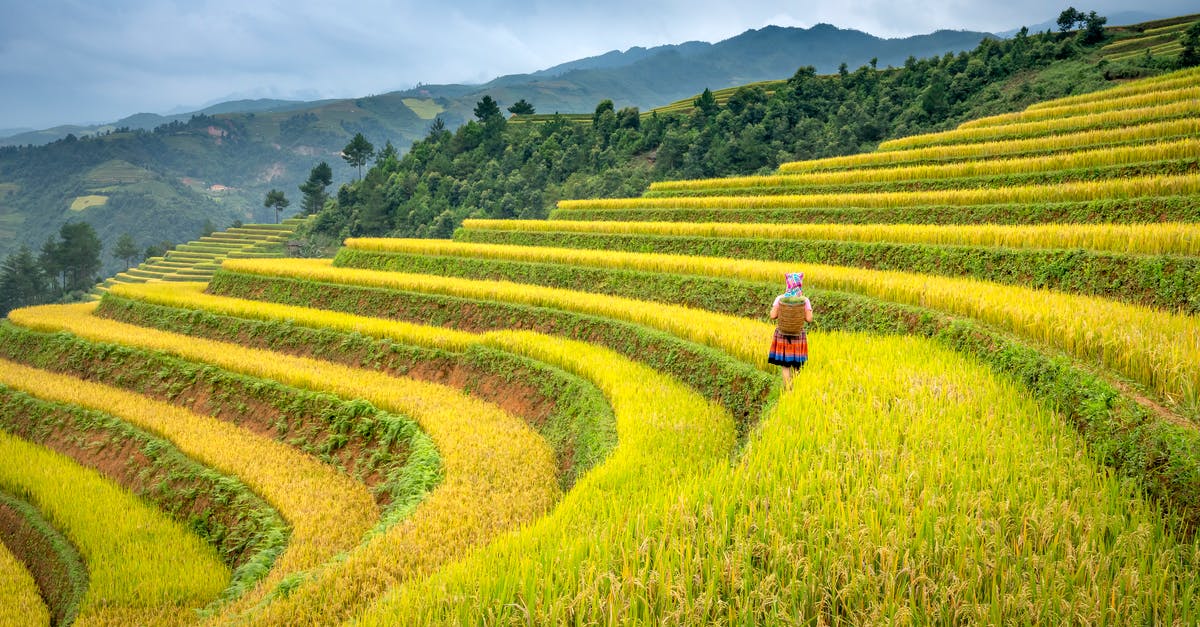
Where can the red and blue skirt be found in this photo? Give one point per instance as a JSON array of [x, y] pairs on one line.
[[789, 350]]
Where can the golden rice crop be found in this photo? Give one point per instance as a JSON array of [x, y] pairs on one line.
[[141, 564], [702, 327], [20, 601], [328, 512], [1157, 97], [900, 482], [654, 413], [1073, 191], [498, 473], [1158, 349], [1167, 49], [1155, 131], [1122, 155], [1172, 80], [1051, 126], [1161, 238]]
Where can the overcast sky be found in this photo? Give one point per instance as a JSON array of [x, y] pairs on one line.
[[78, 61]]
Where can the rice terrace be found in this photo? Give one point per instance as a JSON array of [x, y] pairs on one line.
[[572, 420]]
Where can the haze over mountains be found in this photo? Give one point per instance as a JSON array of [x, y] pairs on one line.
[[640, 77], [161, 177]]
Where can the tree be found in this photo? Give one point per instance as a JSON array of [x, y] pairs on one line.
[[51, 262], [358, 152], [79, 255], [1093, 28], [487, 109], [389, 153], [22, 281], [521, 107], [208, 229], [276, 199], [1190, 56], [126, 250], [157, 250], [1068, 18], [706, 102], [320, 177]]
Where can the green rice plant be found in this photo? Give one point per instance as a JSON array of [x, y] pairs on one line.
[[781, 183], [1144, 239], [1051, 126], [143, 567], [498, 473], [900, 483], [1158, 97], [1095, 138], [1158, 349], [328, 512], [1172, 80], [1062, 192], [20, 601]]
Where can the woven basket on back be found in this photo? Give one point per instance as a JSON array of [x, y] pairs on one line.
[[791, 318]]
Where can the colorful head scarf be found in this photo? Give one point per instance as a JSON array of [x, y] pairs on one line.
[[794, 281]]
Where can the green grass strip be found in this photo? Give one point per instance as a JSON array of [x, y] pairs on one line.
[[1162, 455], [1109, 210], [742, 389], [578, 426], [1167, 282], [52, 560], [247, 532], [142, 565], [20, 601]]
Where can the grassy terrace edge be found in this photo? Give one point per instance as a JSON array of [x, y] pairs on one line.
[[1126, 211], [570, 413], [1165, 281], [246, 532], [1170, 167], [54, 562], [363, 441], [1162, 455], [740, 388]]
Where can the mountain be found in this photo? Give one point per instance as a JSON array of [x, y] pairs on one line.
[[651, 77], [162, 176]]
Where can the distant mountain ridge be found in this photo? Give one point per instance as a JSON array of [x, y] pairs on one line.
[[161, 176], [651, 77], [640, 77]]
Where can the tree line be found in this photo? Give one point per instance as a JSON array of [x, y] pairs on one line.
[[495, 169]]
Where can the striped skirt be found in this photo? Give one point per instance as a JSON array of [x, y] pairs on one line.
[[789, 350]]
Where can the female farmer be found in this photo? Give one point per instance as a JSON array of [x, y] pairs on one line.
[[789, 347]]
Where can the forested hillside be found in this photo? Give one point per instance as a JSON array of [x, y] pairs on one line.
[[495, 168], [179, 172]]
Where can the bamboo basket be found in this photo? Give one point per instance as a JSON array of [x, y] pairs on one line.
[[791, 318]]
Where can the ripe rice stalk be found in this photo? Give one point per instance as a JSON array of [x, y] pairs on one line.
[[1052, 126], [143, 568], [1123, 155], [328, 512], [1172, 80], [1142, 239], [1159, 350], [1062, 192], [498, 473], [1141, 133], [20, 600], [1153, 98], [908, 479]]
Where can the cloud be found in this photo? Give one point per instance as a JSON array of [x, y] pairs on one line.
[[73, 61]]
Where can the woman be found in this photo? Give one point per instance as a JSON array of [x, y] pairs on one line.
[[789, 347]]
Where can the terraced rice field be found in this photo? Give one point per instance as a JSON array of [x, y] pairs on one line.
[[573, 421], [199, 259]]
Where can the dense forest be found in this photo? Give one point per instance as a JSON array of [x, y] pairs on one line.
[[494, 168]]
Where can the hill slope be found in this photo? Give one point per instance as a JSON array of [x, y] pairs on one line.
[[578, 420]]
